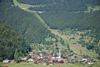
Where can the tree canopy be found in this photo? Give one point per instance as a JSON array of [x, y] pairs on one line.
[[10, 40], [23, 22]]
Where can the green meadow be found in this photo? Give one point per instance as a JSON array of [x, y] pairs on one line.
[[31, 64]]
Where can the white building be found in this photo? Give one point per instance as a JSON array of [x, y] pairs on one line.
[[90, 63], [30, 60], [59, 57], [6, 61]]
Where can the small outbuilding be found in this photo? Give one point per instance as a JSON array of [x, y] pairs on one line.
[[6, 61], [30, 60]]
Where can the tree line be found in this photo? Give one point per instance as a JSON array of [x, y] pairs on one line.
[[42, 2], [10, 41]]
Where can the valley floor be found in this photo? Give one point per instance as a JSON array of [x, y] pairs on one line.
[[31, 64]]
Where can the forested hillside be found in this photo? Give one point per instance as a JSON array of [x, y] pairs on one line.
[[80, 21], [67, 5], [57, 14], [71, 14], [75, 14], [23, 22], [11, 42], [71, 2]]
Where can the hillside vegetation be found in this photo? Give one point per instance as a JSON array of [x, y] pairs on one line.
[[23, 22], [75, 15], [11, 42], [74, 2], [71, 14], [76, 27]]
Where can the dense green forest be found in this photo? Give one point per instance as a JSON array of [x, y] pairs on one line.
[[67, 5], [71, 2], [80, 21], [11, 42], [70, 14], [23, 22]]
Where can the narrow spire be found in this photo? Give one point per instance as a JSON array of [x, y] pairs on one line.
[[59, 53]]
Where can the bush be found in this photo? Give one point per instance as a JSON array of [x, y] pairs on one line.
[[47, 63]]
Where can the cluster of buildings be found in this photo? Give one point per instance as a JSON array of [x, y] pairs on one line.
[[49, 59]]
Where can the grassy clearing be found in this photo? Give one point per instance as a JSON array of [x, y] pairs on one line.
[[75, 47], [21, 5], [94, 9]]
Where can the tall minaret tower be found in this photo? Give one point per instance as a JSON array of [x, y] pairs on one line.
[[59, 53]]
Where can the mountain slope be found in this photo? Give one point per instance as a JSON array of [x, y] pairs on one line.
[[23, 22], [77, 18], [10, 40]]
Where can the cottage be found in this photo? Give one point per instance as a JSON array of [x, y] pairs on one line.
[[64, 57], [84, 60], [90, 62], [30, 60], [35, 62], [32, 54], [6, 61], [23, 59], [52, 54], [50, 62], [55, 60], [74, 56], [39, 57]]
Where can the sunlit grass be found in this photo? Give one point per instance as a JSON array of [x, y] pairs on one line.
[[94, 9], [21, 5], [31, 64]]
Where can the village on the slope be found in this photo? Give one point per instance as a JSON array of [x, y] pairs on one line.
[[50, 59]]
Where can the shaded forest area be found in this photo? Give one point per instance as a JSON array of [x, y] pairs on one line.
[[70, 14], [11, 42], [23, 22], [73, 2], [67, 5], [80, 21]]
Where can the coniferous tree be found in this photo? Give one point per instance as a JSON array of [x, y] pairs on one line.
[[16, 56]]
